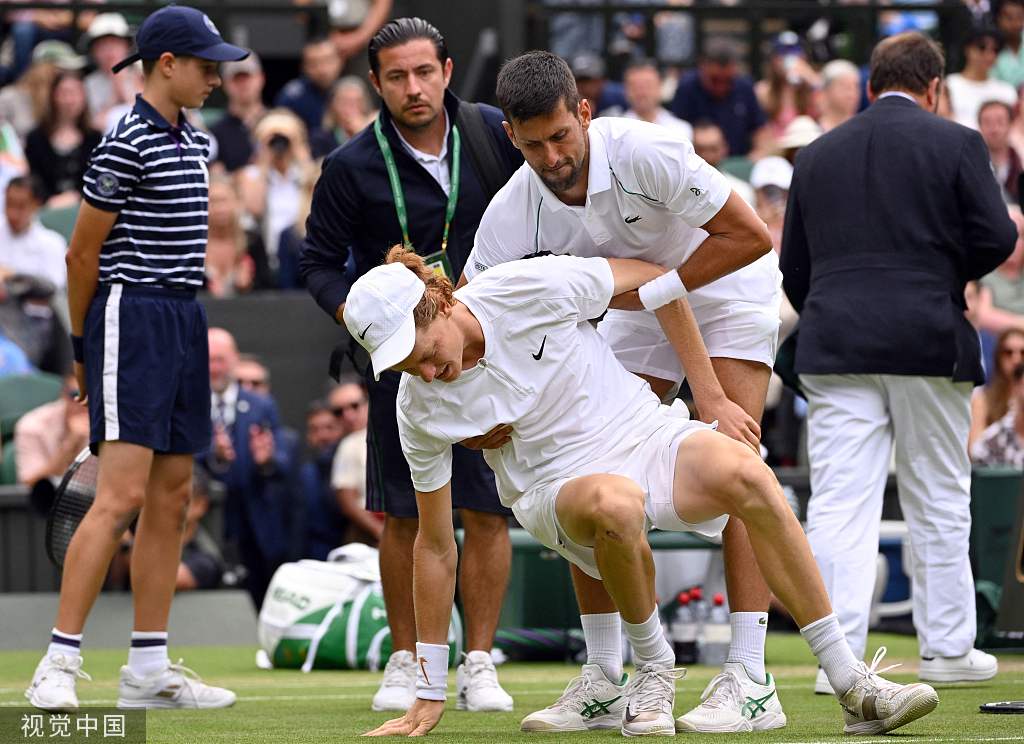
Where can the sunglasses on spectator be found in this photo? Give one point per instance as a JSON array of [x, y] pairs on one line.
[[340, 410]]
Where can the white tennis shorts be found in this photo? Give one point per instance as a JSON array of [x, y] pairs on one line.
[[746, 328], [651, 464]]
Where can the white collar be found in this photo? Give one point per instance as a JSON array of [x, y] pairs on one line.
[[421, 156], [899, 94]]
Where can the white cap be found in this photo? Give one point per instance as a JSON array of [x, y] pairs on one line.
[[772, 171], [378, 314], [800, 132], [107, 24]]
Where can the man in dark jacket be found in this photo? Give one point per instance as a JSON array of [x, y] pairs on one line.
[[414, 177], [889, 216]]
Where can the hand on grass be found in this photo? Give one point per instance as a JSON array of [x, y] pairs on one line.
[[418, 720]]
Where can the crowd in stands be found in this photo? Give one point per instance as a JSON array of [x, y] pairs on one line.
[[288, 496]]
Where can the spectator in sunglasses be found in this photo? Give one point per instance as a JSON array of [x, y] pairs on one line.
[[972, 87], [1002, 443]]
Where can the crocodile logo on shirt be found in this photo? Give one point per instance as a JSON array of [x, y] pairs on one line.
[[696, 191], [631, 220]]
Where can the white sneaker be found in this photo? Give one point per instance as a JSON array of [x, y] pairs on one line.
[[732, 702], [176, 686], [875, 705], [590, 701], [53, 684], [476, 685], [821, 684], [650, 697], [973, 666], [397, 690]]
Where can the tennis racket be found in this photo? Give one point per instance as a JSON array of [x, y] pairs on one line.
[[72, 500]]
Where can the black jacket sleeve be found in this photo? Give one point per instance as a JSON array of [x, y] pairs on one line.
[[329, 234], [989, 232], [794, 259]]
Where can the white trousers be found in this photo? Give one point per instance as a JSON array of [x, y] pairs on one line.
[[853, 422]]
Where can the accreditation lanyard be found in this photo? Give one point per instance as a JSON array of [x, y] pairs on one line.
[[438, 261]]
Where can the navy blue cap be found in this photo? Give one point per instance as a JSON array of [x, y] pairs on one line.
[[181, 30]]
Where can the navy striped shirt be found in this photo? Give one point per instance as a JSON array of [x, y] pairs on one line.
[[155, 176]]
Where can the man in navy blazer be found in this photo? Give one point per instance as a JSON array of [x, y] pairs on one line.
[[889, 216], [254, 459]]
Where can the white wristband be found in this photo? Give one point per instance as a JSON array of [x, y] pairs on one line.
[[661, 291], [432, 675]]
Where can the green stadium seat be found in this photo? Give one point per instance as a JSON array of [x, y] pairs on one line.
[[737, 166], [8, 468], [61, 220], [19, 394]]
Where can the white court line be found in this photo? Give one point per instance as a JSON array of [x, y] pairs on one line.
[[920, 740]]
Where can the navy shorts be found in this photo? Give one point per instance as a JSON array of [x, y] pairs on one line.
[[147, 369], [388, 481]]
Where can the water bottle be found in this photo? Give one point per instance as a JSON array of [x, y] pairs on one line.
[[684, 632], [714, 644]]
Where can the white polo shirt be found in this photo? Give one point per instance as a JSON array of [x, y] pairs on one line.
[[545, 371], [38, 251], [648, 193]]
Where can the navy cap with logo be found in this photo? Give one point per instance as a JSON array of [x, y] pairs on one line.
[[181, 30]]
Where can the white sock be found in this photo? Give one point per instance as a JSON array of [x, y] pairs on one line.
[[649, 643], [603, 635], [148, 653], [747, 646], [68, 644], [828, 643]]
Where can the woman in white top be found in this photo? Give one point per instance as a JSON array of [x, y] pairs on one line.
[[592, 462]]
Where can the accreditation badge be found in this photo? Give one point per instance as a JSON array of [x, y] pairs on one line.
[[439, 265]]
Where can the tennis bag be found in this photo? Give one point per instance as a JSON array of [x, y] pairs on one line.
[[330, 614]]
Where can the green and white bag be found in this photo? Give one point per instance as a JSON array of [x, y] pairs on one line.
[[330, 614]]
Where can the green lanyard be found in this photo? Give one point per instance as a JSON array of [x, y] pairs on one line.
[[399, 195]]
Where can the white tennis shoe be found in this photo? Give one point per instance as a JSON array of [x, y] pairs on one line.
[[590, 701], [53, 684], [732, 702], [875, 705], [477, 686], [175, 686], [397, 690], [650, 697]]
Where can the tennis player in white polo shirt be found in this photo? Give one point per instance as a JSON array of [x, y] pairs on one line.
[[616, 187], [594, 460]]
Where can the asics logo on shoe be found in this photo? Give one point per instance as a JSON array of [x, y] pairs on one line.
[[753, 707], [598, 707]]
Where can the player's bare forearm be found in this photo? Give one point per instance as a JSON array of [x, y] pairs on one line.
[[630, 273], [736, 237], [435, 558], [681, 330], [83, 260]]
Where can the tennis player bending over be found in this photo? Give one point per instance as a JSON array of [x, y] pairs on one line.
[[594, 460]]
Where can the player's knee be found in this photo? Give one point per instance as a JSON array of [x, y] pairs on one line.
[[618, 510], [754, 490], [118, 508], [484, 526]]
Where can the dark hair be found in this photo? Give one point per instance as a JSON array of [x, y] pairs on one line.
[[148, 65], [706, 124], [49, 122], [720, 50], [998, 104], [533, 84], [316, 406], [401, 31], [907, 61], [31, 183]]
